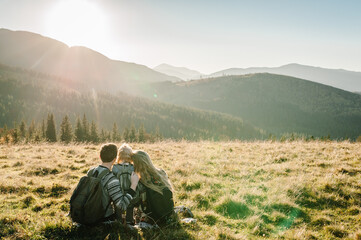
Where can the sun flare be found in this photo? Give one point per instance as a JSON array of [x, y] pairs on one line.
[[77, 23]]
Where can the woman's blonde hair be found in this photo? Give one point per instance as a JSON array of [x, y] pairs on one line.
[[152, 177]]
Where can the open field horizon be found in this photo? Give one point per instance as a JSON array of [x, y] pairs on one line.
[[253, 109], [236, 190]]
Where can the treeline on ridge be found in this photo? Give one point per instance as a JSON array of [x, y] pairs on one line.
[[29, 97], [83, 131]]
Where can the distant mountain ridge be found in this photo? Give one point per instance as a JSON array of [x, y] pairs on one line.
[[339, 78], [276, 103], [84, 68], [180, 72]]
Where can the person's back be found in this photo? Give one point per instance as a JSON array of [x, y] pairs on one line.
[[160, 205], [111, 186], [113, 198]]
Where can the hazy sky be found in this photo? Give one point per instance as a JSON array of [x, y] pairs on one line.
[[204, 35]]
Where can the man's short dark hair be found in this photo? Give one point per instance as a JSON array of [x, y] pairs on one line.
[[108, 152]]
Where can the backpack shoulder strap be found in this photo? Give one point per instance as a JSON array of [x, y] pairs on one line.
[[103, 173], [123, 169], [100, 176], [127, 168], [91, 172]]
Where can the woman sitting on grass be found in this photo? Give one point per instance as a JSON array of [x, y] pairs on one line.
[[159, 205]]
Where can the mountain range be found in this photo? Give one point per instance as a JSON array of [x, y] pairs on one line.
[[179, 72], [338, 78], [239, 104]]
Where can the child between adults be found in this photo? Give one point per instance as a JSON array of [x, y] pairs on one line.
[[123, 169]]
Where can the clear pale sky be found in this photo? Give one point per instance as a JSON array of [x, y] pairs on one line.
[[204, 35]]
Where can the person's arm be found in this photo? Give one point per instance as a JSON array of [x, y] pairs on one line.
[[134, 179], [120, 200]]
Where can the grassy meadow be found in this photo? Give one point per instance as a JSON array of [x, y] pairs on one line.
[[236, 190]]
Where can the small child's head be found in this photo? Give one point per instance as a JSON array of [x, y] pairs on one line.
[[125, 154], [108, 152]]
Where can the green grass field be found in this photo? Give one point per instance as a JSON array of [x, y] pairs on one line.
[[236, 190]]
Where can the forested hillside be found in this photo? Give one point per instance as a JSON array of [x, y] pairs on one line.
[[31, 96], [83, 68], [278, 104]]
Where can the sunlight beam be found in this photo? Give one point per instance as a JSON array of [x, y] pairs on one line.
[[78, 23]]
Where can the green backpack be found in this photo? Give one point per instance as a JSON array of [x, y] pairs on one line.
[[87, 203], [123, 173]]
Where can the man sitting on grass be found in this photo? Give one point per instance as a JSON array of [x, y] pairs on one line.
[[91, 204]]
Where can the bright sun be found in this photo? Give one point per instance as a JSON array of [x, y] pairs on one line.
[[77, 23]]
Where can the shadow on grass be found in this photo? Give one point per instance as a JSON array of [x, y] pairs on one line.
[[330, 197], [209, 219], [12, 189], [112, 231], [278, 217], [293, 215], [55, 191], [234, 210], [7, 226]]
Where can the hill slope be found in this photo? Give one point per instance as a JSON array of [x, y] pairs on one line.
[[28, 95], [179, 72], [346, 80], [83, 68], [275, 103]]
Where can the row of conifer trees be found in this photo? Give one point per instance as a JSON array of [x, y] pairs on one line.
[[83, 131]]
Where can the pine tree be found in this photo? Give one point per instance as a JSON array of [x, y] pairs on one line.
[[43, 133], [141, 133], [126, 134], [103, 135], [5, 134], [15, 135], [38, 135], [108, 137], [132, 134], [37, 138], [85, 128], [22, 129], [5, 129], [50, 129], [66, 131], [115, 133], [6, 138], [94, 133], [158, 136], [79, 134], [31, 130]]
